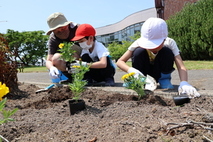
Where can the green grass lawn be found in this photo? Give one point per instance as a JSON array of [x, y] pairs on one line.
[[35, 69], [190, 65], [197, 65]]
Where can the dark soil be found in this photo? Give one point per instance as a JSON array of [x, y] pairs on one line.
[[108, 117]]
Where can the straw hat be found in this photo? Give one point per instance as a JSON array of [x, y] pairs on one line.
[[55, 21]]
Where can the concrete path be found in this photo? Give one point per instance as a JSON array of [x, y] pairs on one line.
[[201, 79]]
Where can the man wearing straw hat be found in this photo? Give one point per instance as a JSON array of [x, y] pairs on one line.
[[60, 30]]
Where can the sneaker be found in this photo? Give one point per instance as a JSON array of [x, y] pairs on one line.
[[110, 81]]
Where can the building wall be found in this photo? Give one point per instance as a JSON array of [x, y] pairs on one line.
[[173, 6], [134, 18], [125, 28]]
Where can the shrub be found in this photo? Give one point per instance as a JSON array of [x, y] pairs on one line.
[[192, 29], [8, 67]]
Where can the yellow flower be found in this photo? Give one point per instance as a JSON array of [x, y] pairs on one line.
[[131, 74], [136, 84], [76, 66], [125, 76], [3, 90], [61, 45]]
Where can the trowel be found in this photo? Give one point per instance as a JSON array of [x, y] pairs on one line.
[[45, 89]]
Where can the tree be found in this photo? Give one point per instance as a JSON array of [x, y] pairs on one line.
[[8, 70], [192, 30], [28, 47]]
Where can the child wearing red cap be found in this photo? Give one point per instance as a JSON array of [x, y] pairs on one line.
[[96, 55]]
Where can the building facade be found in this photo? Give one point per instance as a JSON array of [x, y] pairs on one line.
[[127, 27], [167, 8]]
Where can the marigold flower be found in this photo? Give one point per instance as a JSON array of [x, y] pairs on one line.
[[3, 90], [136, 84], [125, 76], [61, 45], [131, 74], [76, 66]]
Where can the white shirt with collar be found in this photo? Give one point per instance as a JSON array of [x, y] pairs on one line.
[[98, 52], [169, 42]]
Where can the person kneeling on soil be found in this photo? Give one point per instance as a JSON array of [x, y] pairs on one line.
[[61, 30], [96, 55], [154, 54]]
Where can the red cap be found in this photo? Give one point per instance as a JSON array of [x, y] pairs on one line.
[[82, 31]]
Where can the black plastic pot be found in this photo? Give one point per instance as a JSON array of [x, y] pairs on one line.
[[181, 99], [76, 105]]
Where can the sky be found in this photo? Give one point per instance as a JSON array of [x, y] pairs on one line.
[[31, 15]]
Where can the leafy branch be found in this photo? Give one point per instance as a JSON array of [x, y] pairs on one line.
[[6, 114]]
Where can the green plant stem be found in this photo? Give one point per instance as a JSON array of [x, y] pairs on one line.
[[140, 93]]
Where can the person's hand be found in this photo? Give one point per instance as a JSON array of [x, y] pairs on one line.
[[71, 70], [151, 83], [186, 88], [137, 72], [54, 73], [78, 63]]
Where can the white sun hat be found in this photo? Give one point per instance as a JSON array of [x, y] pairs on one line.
[[55, 21], [153, 32]]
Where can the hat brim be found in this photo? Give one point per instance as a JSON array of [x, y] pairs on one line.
[[150, 44], [61, 25], [77, 38]]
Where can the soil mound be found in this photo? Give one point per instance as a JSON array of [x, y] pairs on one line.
[[108, 117]]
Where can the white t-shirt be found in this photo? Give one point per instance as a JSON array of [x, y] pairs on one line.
[[169, 42], [98, 52]]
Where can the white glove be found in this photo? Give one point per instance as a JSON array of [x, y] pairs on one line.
[[54, 73], [71, 70], [186, 88], [77, 63], [151, 84], [137, 72]]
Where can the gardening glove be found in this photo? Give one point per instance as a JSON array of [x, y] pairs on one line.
[[137, 72], [54, 73], [77, 63], [186, 88], [72, 69], [151, 84]]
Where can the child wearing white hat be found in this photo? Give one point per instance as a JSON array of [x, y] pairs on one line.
[[154, 54]]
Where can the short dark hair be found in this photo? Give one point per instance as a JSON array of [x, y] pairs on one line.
[[87, 37]]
